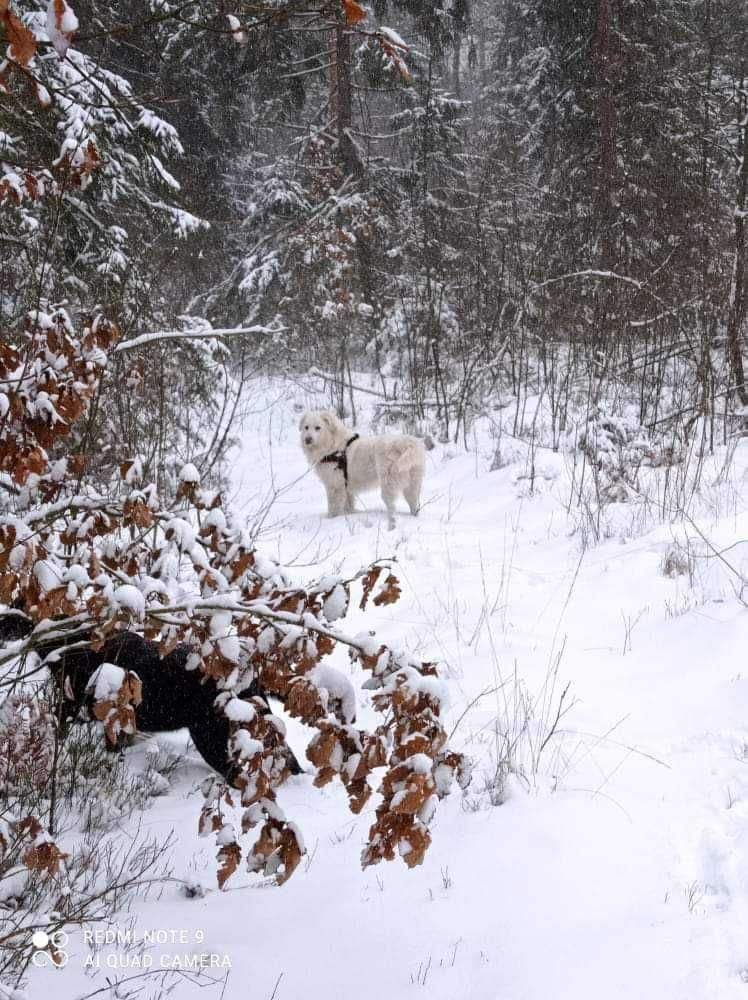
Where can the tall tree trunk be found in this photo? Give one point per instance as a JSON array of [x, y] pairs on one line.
[[456, 52], [737, 307], [341, 107], [601, 57]]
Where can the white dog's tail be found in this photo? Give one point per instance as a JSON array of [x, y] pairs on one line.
[[408, 456]]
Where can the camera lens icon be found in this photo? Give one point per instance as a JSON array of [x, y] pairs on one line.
[[49, 949]]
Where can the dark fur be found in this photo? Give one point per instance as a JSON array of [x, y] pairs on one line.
[[173, 698]]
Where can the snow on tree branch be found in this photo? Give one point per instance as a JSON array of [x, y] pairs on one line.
[[194, 334]]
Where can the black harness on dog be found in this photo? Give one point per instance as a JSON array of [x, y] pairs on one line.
[[340, 458]]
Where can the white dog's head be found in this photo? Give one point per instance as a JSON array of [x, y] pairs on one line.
[[321, 433]]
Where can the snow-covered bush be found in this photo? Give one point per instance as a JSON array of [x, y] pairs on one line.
[[26, 746], [678, 560], [616, 447]]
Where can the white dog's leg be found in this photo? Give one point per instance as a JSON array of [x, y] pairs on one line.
[[412, 491], [389, 495], [336, 499]]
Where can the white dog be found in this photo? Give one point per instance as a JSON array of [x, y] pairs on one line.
[[349, 464]]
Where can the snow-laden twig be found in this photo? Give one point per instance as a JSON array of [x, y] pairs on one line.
[[588, 273], [199, 334]]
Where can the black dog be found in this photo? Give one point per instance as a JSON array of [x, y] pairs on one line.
[[172, 697]]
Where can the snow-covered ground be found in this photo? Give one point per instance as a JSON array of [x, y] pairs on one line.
[[602, 850]]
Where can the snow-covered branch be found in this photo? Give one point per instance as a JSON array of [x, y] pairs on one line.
[[199, 334]]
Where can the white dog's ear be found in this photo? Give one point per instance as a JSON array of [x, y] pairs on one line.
[[303, 419], [331, 422]]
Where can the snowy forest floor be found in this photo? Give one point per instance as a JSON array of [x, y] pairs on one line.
[[607, 858]]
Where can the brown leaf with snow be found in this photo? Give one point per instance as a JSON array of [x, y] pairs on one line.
[[21, 41], [354, 12], [61, 25], [44, 857], [118, 714], [390, 592], [359, 793], [394, 834], [304, 701], [228, 858], [369, 579], [290, 855]]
